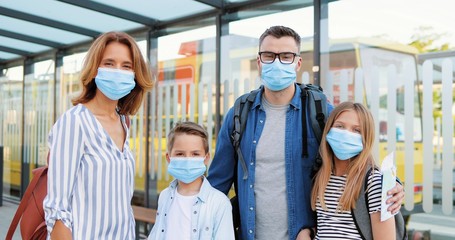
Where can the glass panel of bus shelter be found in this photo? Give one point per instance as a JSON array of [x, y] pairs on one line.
[[38, 114], [11, 81], [185, 91], [138, 139], [68, 83], [437, 59], [239, 72], [367, 34]]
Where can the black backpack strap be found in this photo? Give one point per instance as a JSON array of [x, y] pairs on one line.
[[320, 108], [241, 108], [303, 95], [320, 117], [314, 107]]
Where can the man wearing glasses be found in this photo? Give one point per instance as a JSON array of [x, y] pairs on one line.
[[274, 198]]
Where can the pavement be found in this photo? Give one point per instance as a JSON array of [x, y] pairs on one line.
[[7, 212], [440, 225]]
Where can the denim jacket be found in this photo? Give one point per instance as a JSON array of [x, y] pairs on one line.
[[297, 167], [212, 218]]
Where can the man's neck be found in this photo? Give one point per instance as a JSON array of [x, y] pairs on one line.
[[282, 97]]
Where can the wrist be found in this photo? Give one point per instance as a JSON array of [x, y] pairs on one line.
[[310, 231]]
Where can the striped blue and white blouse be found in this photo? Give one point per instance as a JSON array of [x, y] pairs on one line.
[[90, 180], [333, 224]]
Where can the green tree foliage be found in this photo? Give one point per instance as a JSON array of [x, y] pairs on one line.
[[426, 40], [437, 104]]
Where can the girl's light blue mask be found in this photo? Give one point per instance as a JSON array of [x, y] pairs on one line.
[[344, 144], [114, 83], [277, 76], [186, 169]]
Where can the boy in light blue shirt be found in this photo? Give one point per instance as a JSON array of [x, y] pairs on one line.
[[190, 208]]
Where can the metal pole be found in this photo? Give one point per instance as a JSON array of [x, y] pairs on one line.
[[1, 175], [317, 43]]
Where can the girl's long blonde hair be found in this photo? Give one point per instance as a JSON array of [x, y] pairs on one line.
[[358, 165]]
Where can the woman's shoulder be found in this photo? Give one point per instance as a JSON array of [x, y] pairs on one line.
[[66, 123], [73, 113]]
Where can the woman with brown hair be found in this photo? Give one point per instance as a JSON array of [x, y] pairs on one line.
[[91, 168]]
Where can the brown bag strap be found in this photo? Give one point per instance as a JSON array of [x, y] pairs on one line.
[[40, 232], [24, 202], [127, 121]]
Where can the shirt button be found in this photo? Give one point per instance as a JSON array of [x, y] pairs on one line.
[[194, 230], [251, 231], [251, 208], [162, 230], [206, 228], [254, 142], [251, 163], [195, 212], [251, 185], [261, 121]]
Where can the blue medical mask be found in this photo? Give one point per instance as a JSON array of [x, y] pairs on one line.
[[186, 169], [277, 76], [345, 144], [114, 83]]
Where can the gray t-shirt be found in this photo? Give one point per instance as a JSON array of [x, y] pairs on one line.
[[270, 180]]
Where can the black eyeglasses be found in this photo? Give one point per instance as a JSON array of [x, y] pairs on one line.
[[284, 57]]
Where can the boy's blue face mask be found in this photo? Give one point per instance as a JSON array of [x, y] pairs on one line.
[[344, 144], [186, 169], [114, 83], [277, 76]]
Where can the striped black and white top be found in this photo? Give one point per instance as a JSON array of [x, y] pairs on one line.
[[333, 224], [90, 180]]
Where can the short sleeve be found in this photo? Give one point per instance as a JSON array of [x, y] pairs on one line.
[[374, 192]]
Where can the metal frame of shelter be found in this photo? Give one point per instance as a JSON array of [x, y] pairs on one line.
[[207, 12], [51, 29]]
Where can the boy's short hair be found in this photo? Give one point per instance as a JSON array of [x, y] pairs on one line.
[[189, 128]]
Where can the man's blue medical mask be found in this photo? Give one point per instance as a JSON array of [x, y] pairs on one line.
[[114, 83], [186, 169], [277, 76], [345, 144]]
